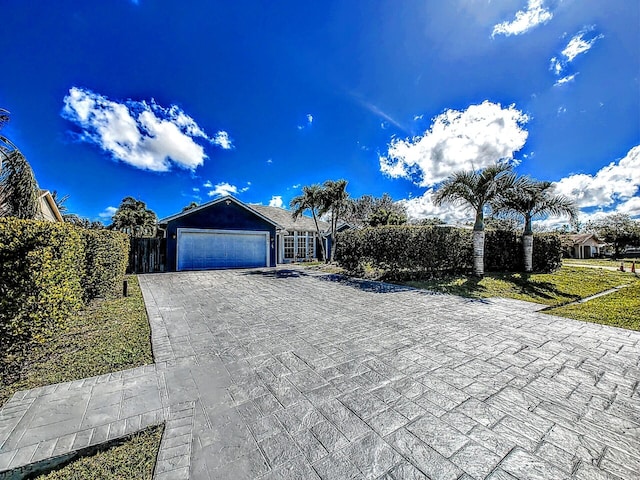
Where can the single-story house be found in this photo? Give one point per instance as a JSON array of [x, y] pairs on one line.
[[227, 233], [48, 209], [584, 245]]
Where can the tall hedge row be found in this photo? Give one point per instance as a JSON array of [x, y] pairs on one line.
[[416, 250], [107, 257], [47, 271]]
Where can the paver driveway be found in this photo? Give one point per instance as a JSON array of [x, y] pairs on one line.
[[297, 375]]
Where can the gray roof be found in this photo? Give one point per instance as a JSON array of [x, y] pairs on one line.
[[226, 198], [283, 218]]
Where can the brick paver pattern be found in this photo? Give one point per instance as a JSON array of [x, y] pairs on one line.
[[261, 375]]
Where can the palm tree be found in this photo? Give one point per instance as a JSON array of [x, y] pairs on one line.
[[336, 202], [312, 200], [476, 189], [19, 191], [529, 199]]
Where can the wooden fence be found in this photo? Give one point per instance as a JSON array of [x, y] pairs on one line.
[[147, 255]]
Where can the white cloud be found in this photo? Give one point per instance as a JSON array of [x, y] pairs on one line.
[[207, 184], [423, 207], [222, 140], [108, 213], [562, 109], [471, 139], [565, 80], [617, 183], [614, 188], [276, 201], [576, 46], [308, 123], [222, 189], [142, 134], [418, 117], [269, 161], [555, 65], [525, 20], [195, 189]]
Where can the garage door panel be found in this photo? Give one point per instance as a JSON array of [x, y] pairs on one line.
[[215, 249]]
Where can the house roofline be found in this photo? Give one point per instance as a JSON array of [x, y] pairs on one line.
[[168, 219], [46, 194]]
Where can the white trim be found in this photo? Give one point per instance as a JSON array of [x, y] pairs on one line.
[[180, 231], [229, 198]]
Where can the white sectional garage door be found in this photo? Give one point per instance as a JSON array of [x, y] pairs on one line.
[[217, 249]]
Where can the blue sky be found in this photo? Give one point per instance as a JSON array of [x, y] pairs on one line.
[[174, 102]]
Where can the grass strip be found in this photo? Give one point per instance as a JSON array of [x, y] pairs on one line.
[[134, 458], [619, 309]]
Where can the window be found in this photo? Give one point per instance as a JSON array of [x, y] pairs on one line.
[[299, 246], [289, 242]]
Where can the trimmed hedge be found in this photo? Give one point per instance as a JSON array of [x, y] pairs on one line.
[[547, 252], [107, 257], [413, 251], [42, 264], [48, 270]]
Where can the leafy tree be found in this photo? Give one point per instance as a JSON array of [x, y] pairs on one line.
[[529, 199], [430, 222], [477, 189], [335, 203], [134, 218], [371, 211], [618, 229], [19, 191], [83, 222], [312, 200], [498, 223]]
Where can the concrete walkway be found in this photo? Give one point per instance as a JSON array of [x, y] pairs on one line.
[[297, 375]]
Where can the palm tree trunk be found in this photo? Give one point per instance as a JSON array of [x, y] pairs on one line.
[[478, 253], [315, 219], [527, 241]]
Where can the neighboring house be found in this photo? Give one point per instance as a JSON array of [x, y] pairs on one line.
[[227, 233], [48, 208], [584, 245]]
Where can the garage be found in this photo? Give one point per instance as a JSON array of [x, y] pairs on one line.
[[205, 249], [222, 233]]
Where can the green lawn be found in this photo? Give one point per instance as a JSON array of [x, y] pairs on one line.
[[602, 262], [109, 335], [566, 285], [620, 309], [128, 460]]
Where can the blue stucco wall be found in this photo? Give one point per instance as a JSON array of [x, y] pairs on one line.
[[219, 216]]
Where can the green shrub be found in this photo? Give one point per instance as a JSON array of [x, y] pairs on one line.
[[408, 251], [107, 257], [42, 265], [503, 251], [547, 252], [405, 250]]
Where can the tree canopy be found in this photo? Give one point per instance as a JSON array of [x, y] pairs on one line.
[[134, 218], [618, 229]]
